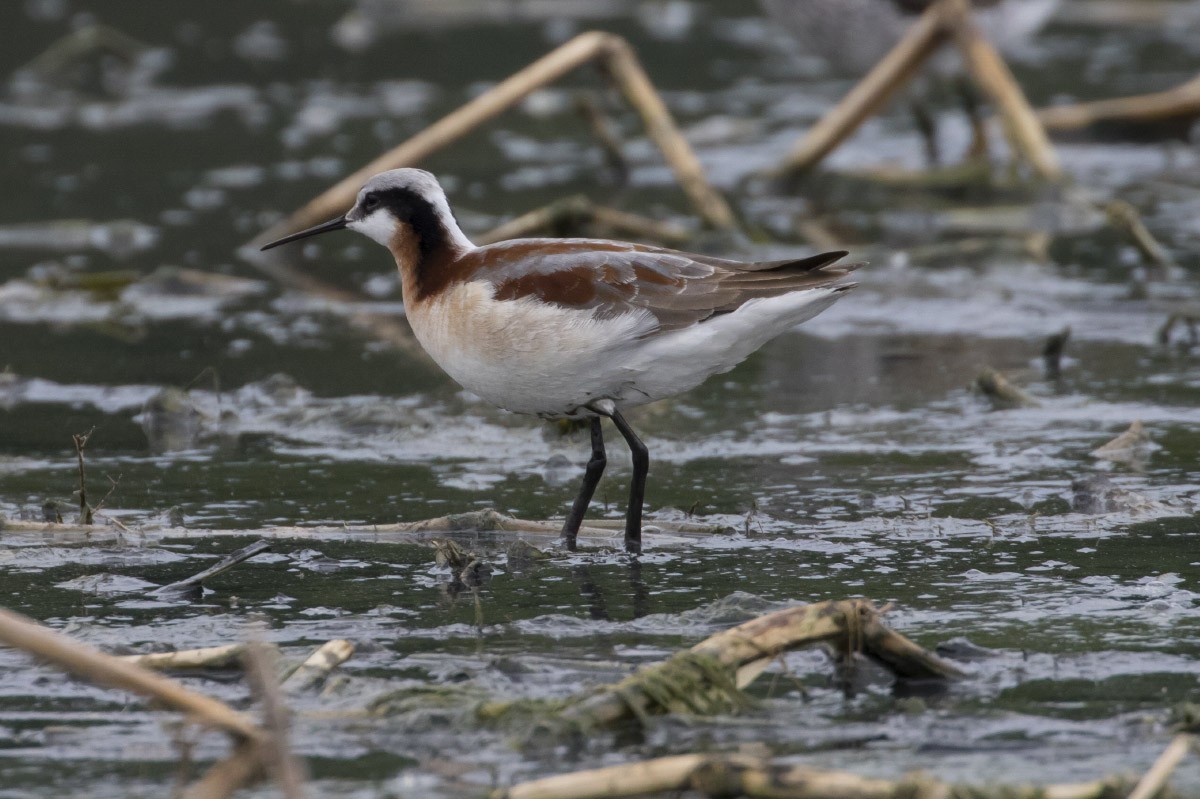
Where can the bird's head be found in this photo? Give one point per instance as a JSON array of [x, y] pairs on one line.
[[400, 208]]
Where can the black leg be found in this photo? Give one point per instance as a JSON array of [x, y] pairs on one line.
[[591, 478], [637, 488]]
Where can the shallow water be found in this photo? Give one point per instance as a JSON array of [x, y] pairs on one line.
[[848, 458]]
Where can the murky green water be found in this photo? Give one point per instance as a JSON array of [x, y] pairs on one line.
[[851, 458]]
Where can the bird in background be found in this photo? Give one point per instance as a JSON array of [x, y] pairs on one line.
[[578, 328], [852, 36]]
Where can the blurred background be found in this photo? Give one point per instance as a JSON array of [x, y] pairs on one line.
[[144, 143]]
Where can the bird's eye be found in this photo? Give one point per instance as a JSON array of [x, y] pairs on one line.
[[371, 202]]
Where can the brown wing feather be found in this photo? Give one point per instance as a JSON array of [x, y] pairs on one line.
[[613, 278]]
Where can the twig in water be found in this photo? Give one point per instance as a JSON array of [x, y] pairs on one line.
[[942, 21], [620, 63], [317, 666], [85, 510], [606, 134], [212, 657], [96, 667], [1125, 218], [1155, 779], [111, 488], [242, 767], [192, 585], [739, 775], [1001, 392], [282, 765], [1180, 102], [577, 215]]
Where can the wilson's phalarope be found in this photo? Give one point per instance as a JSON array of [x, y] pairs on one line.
[[578, 328]]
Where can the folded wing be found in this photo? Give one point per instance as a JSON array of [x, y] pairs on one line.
[[614, 278]]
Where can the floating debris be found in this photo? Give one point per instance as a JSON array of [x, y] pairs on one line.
[[228, 656], [620, 65], [1003, 394], [318, 666], [193, 587], [721, 776], [1098, 495]]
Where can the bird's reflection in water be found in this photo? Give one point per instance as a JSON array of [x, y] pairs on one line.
[[585, 577]]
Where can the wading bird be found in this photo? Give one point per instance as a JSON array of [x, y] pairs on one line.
[[578, 328]]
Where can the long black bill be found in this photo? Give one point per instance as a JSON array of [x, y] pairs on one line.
[[324, 227]]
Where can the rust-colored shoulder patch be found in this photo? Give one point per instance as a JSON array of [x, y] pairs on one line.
[[569, 287]]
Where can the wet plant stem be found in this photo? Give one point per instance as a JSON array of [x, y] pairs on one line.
[[85, 510]]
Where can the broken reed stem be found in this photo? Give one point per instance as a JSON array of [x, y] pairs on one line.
[[732, 775], [1179, 102], [892, 72], [242, 767], [606, 135], [96, 667], [598, 530], [1022, 126], [213, 657], [85, 510], [288, 772], [622, 64], [567, 215], [317, 666], [1126, 218], [617, 55], [226, 563], [634, 779], [711, 672], [1155, 779], [943, 19]]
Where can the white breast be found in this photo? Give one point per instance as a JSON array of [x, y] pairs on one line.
[[526, 355], [533, 357]]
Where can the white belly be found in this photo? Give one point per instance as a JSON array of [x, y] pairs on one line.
[[525, 355], [531, 357]]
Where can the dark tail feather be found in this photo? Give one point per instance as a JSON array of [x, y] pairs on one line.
[[813, 263]]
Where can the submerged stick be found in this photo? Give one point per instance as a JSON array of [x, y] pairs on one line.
[[733, 775], [568, 215], [317, 666], [480, 521], [226, 777], [1021, 124], [1155, 779], [196, 581], [1125, 217], [622, 64], [892, 72], [1002, 393], [606, 135], [96, 667], [213, 657], [85, 510], [283, 766], [709, 676], [634, 779], [1179, 102]]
